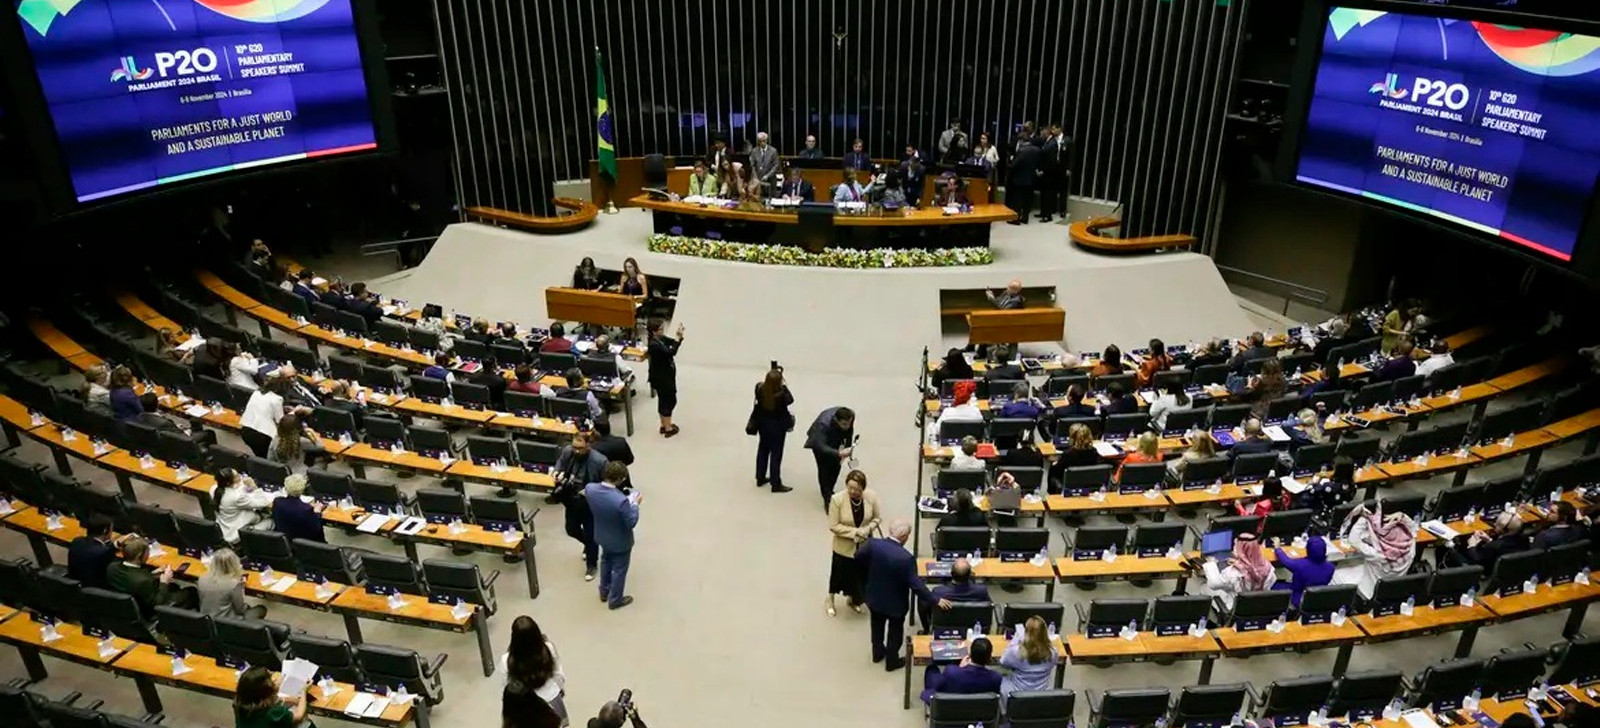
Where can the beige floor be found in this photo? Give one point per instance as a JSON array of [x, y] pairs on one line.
[[728, 627]]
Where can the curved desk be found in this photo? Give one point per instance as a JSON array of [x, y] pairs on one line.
[[584, 213], [1087, 233], [773, 225]]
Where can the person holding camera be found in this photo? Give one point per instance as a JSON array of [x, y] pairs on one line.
[[615, 515], [614, 713], [831, 440], [663, 373], [577, 466], [770, 422]]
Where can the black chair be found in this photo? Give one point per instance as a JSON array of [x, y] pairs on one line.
[[327, 562], [1141, 476], [1209, 705], [1499, 492], [441, 505], [267, 547], [392, 333], [222, 457], [1040, 708], [524, 404], [327, 485], [255, 641], [1511, 570], [1064, 425], [1392, 591], [1155, 539], [1126, 426], [470, 350], [1309, 459], [25, 709], [1252, 467], [429, 389], [1442, 686], [1174, 613], [1576, 661], [199, 534], [1211, 374], [334, 657], [961, 540], [470, 395], [57, 595], [1357, 448], [1509, 674], [1289, 702], [949, 481], [1371, 396], [1021, 540], [269, 474], [65, 714], [1236, 524], [392, 571], [1199, 473], [332, 423], [431, 441], [1286, 524], [189, 630], [460, 581], [116, 612], [1093, 540], [1447, 585], [1319, 602], [379, 497], [961, 616], [424, 340], [1014, 614], [393, 667], [1258, 607], [1106, 617], [493, 509], [540, 455], [1453, 503], [1028, 479], [954, 430], [19, 586], [1183, 422], [1228, 416], [1127, 708], [343, 367], [948, 710], [553, 361], [1364, 694]]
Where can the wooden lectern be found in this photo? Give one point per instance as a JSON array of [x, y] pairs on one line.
[[589, 307], [1016, 325]]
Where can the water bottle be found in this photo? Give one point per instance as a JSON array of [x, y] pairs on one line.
[[1340, 616], [1471, 597], [1538, 692], [1409, 605], [1471, 702], [1392, 710], [1051, 630]]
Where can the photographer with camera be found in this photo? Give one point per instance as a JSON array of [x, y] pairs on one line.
[[616, 712], [577, 466], [770, 422]]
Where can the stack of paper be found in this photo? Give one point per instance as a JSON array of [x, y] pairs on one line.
[[373, 522], [1106, 449], [1439, 528], [1275, 433], [297, 675], [366, 705]]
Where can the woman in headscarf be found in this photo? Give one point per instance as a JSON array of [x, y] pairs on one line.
[[1245, 571], [1313, 570], [963, 409], [1387, 545]]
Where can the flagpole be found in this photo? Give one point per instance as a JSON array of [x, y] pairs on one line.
[[608, 181]]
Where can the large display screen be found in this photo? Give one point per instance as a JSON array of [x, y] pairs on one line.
[[1492, 127], [145, 93]]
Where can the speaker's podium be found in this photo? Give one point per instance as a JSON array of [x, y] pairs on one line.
[[589, 307], [1016, 325]]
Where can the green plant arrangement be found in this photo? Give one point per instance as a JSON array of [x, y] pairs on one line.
[[828, 258]]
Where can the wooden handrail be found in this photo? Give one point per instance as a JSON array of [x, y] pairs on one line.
[[585, 213], [1087, 234]]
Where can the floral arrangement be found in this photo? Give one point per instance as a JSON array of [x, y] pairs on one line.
[[828, 258]]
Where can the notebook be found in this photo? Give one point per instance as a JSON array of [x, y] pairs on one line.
[[1217, 544], [1005, 499]]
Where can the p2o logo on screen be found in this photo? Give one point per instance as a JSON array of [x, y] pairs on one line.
[[168, 64], [1452, 96]]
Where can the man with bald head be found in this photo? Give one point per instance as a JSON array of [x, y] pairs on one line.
[[960, 589], [891, 575], [812, 151], [1010, 298]]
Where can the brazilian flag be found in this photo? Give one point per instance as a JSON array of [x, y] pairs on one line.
[[606, 141]]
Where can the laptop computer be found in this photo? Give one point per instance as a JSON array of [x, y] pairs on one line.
[[1005, 499], [1217, 544]]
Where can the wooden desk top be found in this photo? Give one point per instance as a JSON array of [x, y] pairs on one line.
[[1530, 374], [408, 460], [1145, 646], [137, 308], [1125, 567], [1424, 619], [52, 337], [1520, 443], [80, 445], [1547, 598], [1087, 233], [1469, 336], [1294, 635], [225, 418], [195, 482], [980, 215], [513, 476], [32, 520], [414, 406], [1436, 464], [1467, 395], [417, 609], [471, 534], [73, 645], [16, 414], [1112, 502], [1228, 493], [991, 567], [1378, 416], [1575, 425], [206, 676], [543, 424]]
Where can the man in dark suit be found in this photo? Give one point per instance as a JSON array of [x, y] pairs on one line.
[[1255, 348], [1255, 440], [364, 304], [90, 554], [303, 287], [1398, 366], [1024, 177], [857, 158], [960, 589], [891, 575], [1075, 406], [795, 186], [830, 440], [1003, 369], [1052, 173], [971, 677], [614, 447]]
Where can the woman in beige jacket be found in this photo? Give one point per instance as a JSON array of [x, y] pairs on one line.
[[852, 517]]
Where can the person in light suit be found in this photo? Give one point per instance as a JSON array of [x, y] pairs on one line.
[[891, 576], [616, 514], [852, 517]]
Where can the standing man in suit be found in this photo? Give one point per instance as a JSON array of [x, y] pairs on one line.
[[857, 157], [1024, 177], [663, 374], [576, 466], [891, 575], [615, 516], [1052, 173], [764, 162], [795, 186], [718, 153], [912, 172], [812, 151], [831, 440]]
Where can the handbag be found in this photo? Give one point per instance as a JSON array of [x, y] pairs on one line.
[[750, 425]]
